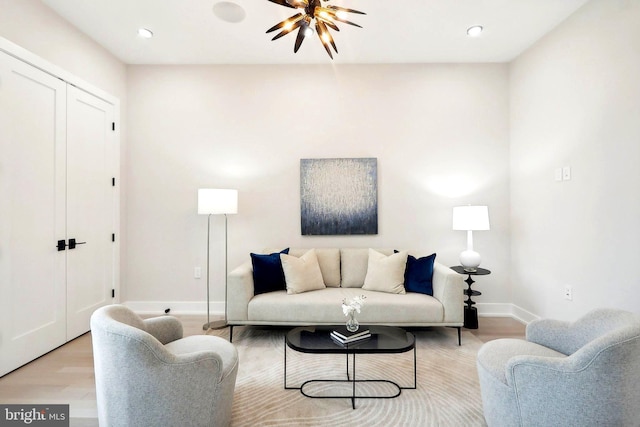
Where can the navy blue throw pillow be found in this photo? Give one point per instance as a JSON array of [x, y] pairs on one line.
[[268, 275], [418, 277]]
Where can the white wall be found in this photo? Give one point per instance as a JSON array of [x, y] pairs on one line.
[[36, 28], [439, 132], [443, 135], [575, 101], [33, 26]]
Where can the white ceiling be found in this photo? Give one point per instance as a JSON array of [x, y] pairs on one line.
[[400, 31]]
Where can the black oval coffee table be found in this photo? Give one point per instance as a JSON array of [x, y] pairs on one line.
[[383, 340]]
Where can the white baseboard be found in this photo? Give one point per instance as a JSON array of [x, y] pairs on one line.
[[177, 307], [505, 310], [523, 315]]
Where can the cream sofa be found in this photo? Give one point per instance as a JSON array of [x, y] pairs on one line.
[[343, 273]]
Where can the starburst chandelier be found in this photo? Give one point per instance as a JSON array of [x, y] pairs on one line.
[[314, 15]]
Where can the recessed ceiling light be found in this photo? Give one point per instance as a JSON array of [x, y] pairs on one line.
[[474, 31], [145, 33], [229, 12]]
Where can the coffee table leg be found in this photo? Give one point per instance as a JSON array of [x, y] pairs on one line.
[[285, 364], [353, 395], [285, 369], [348, 377]]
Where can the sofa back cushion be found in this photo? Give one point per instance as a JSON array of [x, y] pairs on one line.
[[329, 261], [353, 265]]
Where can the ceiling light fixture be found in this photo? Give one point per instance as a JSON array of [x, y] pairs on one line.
[[314, 15], [229, 12], [145, 33], [474, 31]]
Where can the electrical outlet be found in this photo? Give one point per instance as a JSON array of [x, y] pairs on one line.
[[197, 272], [568, 292]]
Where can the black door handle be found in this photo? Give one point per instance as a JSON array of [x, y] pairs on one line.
[[73, 243]]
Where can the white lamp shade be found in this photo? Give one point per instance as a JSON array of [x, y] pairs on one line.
[[213, 201], [471, 218]]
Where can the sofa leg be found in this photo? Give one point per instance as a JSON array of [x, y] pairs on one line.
[[231, 333], [459, 336]]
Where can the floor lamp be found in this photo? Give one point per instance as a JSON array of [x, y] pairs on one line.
[[217, 202]]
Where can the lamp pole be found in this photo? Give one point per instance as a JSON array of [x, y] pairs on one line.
[[218, 324], [207, 325], [216, 202]]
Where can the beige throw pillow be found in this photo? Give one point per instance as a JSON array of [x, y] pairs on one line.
[[386, 273], [302, 274]]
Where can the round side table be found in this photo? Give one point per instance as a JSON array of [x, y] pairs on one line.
[[470, 312]]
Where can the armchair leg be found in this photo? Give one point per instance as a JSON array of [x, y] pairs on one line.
[[231, 333]]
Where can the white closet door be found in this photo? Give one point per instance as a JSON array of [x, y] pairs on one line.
[[90, 207], [32, 212]]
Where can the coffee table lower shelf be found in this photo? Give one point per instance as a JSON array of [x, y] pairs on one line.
[[351, 376]]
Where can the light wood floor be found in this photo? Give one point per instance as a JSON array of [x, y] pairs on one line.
[[65, 375]]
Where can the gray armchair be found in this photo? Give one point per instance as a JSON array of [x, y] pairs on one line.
[[585, 373], [147, 374]]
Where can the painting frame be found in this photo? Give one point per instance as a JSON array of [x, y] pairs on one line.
[[339, 196]]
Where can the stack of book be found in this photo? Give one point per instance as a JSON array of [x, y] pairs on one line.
[[343, 337]]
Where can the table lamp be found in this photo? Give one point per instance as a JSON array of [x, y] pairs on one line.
[[470, 218]]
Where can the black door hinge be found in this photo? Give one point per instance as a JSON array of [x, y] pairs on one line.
[[113, 237], [113, 126], [113, 293], [113, 182]]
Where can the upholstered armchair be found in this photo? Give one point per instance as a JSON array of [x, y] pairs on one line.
[[585, 373], [147, 374]]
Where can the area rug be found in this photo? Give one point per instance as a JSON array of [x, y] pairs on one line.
[[447, 394]]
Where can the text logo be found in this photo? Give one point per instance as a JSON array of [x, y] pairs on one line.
[[34, 415]]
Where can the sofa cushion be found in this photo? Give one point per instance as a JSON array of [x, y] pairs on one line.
[[302, 274], [328, 259], [418, 276], [386, 273], [353, 267], [325, 307], [354, 264], [267, 272]]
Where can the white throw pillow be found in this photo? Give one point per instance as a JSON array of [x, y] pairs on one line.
[[386, 273], [302, 274]]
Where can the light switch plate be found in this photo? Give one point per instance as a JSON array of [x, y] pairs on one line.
[[566, 173], [558, 174]]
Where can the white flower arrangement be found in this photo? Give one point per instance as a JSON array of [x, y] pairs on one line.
[[355, 304]]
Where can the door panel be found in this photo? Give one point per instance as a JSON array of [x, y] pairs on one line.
[[90, 199], [32, 212]]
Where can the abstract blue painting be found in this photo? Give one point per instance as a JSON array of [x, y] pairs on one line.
[[339, 196]]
